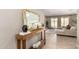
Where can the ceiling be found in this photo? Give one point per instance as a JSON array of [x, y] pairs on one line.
[[54, 12]]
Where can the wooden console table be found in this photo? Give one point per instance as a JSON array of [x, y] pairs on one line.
[[21, 39]]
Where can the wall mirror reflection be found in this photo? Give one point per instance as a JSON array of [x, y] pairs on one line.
[[31, 19]]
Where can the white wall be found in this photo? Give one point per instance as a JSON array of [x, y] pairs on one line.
[[73, 20], [10, 25]]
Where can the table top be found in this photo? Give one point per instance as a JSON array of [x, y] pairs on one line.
[[29, 35]]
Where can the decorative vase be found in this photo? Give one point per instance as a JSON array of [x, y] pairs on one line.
[[24, 28]]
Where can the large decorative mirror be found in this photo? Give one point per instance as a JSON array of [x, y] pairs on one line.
[[31, 19]]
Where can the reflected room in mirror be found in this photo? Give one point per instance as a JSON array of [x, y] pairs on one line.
[[31, 19]]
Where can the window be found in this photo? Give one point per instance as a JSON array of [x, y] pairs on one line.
[[64, 21], [54, 22]]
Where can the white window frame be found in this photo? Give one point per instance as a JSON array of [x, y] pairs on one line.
[[54, 22], [64, 21]]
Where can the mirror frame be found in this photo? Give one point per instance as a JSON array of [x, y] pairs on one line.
[[25, 21]]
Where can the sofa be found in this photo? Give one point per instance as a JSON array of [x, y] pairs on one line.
[[68, 32]]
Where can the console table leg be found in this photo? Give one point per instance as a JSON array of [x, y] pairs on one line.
[[18, 44], [23, 44], [41, 36], [44, 37]]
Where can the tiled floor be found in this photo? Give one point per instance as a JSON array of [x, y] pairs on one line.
[[59, 42]]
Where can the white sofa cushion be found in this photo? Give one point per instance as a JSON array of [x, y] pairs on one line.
[[67, 32]]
